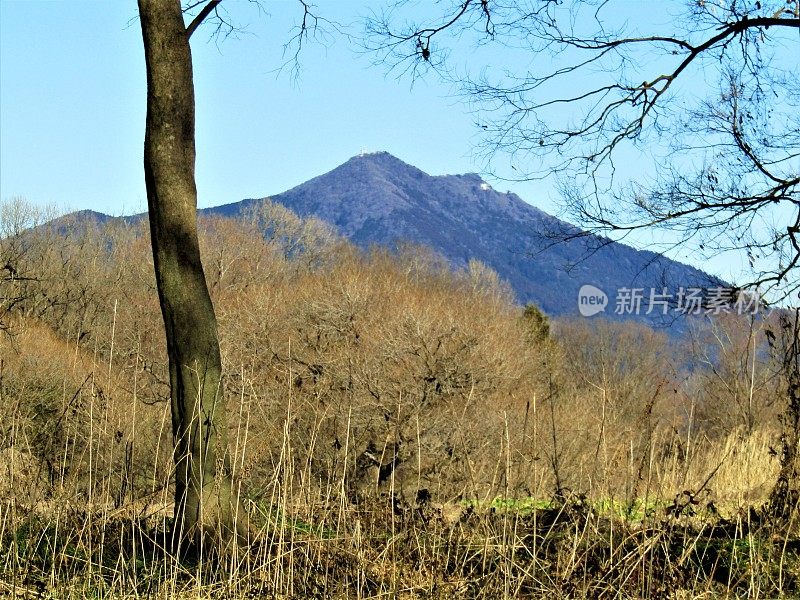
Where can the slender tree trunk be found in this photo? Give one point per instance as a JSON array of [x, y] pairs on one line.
[[784, 500], [204, 504]]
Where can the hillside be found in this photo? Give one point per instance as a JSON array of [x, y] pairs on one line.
[[378, 199], [380, 403]]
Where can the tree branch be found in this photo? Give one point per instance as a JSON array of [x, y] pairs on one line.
[[201, 16]]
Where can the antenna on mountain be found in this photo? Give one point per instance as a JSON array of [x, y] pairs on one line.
[[362, 153]]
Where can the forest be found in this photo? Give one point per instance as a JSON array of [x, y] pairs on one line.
[[396, 428]]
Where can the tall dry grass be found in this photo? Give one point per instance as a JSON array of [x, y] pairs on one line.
[[397, 431]]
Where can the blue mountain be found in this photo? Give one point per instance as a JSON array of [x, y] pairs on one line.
[[378, 199]]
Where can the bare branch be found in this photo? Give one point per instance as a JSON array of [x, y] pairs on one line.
[[201, 16], [312, 26], [720, 166]]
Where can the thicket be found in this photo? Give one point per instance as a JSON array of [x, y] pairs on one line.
[[401, 429]]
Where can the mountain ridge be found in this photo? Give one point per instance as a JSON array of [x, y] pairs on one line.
[[379, 199]]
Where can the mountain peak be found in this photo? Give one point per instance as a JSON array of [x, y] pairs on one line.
[[373, 153], [376, 155], [387, 161], [380, 159], [376, 198]]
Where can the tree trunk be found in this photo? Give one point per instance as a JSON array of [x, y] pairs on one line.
[[205, 507], [784, 500]]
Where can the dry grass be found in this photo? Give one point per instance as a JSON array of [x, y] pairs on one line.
[[397, 431]]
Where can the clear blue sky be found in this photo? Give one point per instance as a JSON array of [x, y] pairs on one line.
[[73, 106], [72, 109]]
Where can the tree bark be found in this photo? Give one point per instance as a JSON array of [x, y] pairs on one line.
[[784, 500], [205, 506]]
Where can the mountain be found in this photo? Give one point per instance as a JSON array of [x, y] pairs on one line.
[[378, 199]]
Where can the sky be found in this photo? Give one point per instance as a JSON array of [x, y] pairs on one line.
[[72, 109], [73, 91]]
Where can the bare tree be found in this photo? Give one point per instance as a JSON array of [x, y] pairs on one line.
[[17, 216], [706, 100]]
